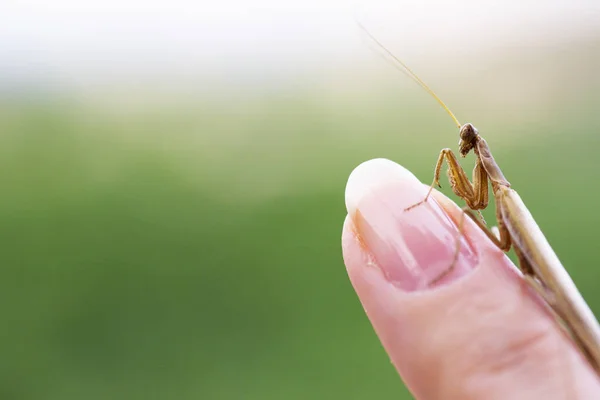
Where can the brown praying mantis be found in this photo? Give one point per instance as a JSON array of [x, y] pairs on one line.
[[538, 263]]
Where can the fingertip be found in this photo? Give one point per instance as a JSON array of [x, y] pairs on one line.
[[416, 247], [481, 334], [371, 176]]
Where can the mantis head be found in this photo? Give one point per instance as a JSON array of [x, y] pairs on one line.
[[468, 138]]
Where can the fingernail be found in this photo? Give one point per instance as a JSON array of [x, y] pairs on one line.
[[415, 249]]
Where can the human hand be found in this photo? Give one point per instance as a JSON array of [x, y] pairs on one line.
[[477, 333]]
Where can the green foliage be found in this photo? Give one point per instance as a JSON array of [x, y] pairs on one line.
[[198, 257]]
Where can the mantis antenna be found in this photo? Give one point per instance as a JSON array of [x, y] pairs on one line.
[[399, 65]]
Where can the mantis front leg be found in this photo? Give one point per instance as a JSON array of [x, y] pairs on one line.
[[475, 194]]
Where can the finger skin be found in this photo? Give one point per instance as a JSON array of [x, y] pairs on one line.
[[484, 336]]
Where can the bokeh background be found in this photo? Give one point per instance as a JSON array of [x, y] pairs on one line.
[[173, 179]]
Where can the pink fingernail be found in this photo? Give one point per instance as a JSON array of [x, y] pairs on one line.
[[415, 248]]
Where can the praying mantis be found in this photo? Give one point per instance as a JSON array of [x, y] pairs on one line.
[[539, 264]]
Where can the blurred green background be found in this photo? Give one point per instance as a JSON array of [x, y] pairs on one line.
[[189, 248]]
